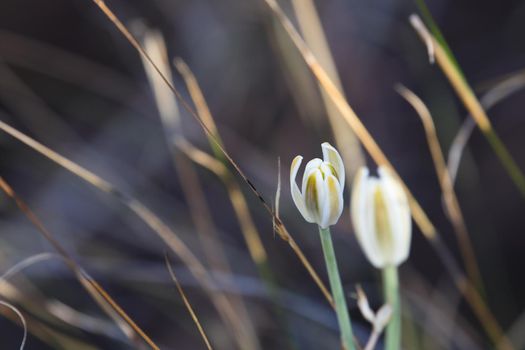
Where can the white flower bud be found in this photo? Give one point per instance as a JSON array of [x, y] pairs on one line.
[[321, 198], [381, 217]]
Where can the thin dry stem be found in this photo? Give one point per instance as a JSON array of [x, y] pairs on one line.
[[471, 102], [144, 213], [458, 222], [315, 38], [209, 162], [420, 217], [153, 43], [22, 320], [89, 283], [495, 95], [33, 302], [248, 228], [283, 233], [187, 304], [426, 226], [197, 96], [445, 181], [55, 339]]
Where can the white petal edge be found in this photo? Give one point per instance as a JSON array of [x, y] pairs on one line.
[[331, 155], [310, 166], [315, 205], [297, 197], [333, 206], [362, 214], [399, 215]]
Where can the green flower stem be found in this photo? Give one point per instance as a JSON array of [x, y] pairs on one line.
[[391, 294], [337, 289]]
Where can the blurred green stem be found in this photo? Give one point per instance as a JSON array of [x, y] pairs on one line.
[[506, 159], [337, 289], [391, 294], [445, 58], [432, 25]]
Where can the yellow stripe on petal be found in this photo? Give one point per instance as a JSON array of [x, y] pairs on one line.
[[330, 155], [334, 201], [383, 229]]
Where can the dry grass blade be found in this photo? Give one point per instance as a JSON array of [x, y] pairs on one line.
[[421, 219], [154, 45], [44, 308], [89, 283], [456, 217], [248, 228], [445, 181], [211, 163], [146, 215], [198, 98], [131, 39], [13, 270], [55, 339], [315, 38], [187, 303], [498, 93], [22, 319], [469, 99], [218, 166], [349, 115], [280, 228]]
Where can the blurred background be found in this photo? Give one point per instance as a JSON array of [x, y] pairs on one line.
[[70, 80]]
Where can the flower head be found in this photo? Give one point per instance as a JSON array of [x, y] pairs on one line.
[[381, 217], [321, 198]]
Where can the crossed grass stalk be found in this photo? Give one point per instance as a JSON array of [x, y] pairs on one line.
[[419, 215], [464, 285]]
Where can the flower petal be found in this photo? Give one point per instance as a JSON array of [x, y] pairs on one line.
[[399, 213], [310, 166], [362, 212], [383, 229], [296, 194], [315, 195], [331, 155], [334, 203]]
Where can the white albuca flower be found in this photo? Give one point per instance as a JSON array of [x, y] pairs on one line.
[[381, 217], [321, 198]]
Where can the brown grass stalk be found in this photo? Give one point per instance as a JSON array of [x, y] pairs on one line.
[[211, 163], [52, 311], [217, 166], [452, 206], [42, 331], [278, 224], [420, 217], [144, 213], [92, 286], [471, 103], [314, 36], [153, 43], [251, 235], [187, 304]]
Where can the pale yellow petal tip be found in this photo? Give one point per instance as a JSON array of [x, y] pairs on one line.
[[327, 145], [295, 161]]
